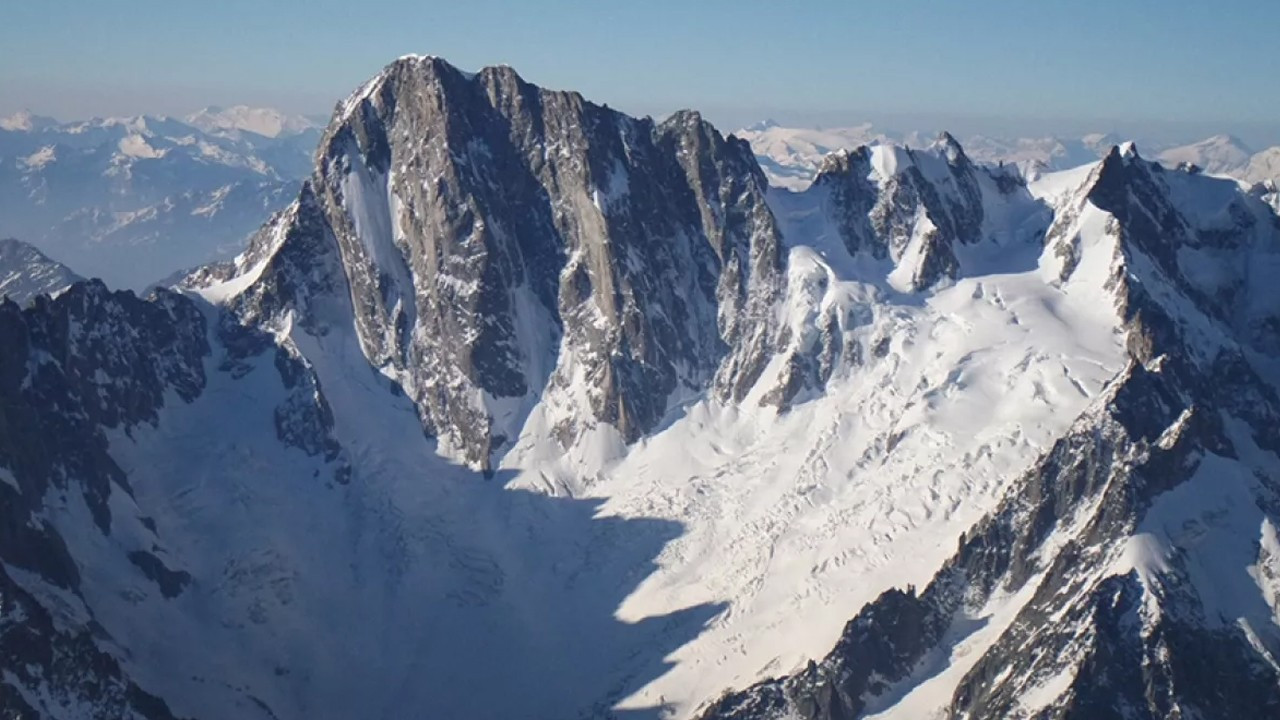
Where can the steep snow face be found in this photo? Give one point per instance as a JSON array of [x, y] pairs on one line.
[[467, 578], [26, 272], [932, 213], [1204, 248]]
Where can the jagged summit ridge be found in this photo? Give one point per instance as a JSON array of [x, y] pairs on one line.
[[506, 246]]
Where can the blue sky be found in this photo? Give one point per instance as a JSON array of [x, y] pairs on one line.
[[1129, 65]]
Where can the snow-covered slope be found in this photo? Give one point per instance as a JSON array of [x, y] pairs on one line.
[[26, 272], [132, 200], [525, 408]]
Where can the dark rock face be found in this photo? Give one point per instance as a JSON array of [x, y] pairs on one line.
[[69, 368], [91, 359], [937, 201], [1120, 645], [171, 582], [500, 242], [1215, 265]]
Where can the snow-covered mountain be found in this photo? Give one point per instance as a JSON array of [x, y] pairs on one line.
[[1220, 154], [26, 121], [131, 200], [261, 121], [26, 272], [1262, 166], [1036, 156], [1226, 155], [1131, 569], [527, 408], [792, 157]]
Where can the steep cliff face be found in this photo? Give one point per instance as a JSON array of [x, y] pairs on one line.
[[505, 246], [1131, 571]]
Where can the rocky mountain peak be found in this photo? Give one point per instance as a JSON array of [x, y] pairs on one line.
[[841, 162], [915, 207], [505, 247], [950, 148], [26, 272]]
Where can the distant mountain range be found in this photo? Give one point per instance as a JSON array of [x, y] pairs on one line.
[[1227, 155], [133, 199], [791, 157], [266, 122]]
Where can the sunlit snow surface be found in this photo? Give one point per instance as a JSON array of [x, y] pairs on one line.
[[797, 520], [733, 543]]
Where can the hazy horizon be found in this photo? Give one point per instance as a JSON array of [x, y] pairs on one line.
[[1012, 69], [1255, 135]]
